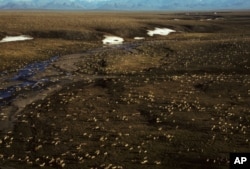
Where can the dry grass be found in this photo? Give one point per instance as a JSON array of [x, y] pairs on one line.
[[57, 32]]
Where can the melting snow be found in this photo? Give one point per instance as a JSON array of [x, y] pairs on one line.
[[112, 40], [15, 38], [160, 31]]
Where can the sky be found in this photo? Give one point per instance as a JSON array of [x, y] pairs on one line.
[[133, 4]]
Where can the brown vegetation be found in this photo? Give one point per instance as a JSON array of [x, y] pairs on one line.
[[59, 32]]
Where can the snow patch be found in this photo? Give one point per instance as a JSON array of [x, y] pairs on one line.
[[160, 31], [139, 38], [112, 40], [15, 38]]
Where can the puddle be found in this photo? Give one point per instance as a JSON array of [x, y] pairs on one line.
[[160, 31], [23, 82], [112, 40], [15, 38]]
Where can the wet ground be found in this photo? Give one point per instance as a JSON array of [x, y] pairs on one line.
[[177, 102]]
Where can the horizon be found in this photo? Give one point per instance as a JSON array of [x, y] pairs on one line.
[[126, 5]]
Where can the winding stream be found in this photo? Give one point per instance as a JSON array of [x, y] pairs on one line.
[[22, 80], [40, 79]]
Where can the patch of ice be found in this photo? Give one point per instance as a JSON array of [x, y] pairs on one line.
[[112, 40], [15, 38], [160, 31], [139, 38]]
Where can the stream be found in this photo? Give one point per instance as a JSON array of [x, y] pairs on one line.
[[38, 80], [22, 80]]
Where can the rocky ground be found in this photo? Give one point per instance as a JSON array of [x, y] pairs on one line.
[[174, 102]]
